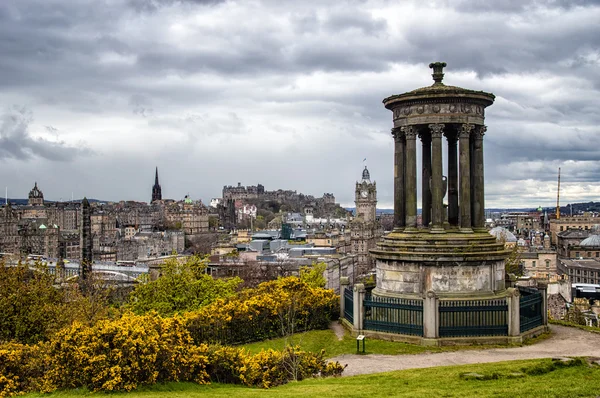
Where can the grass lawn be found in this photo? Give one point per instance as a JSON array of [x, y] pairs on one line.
[[316, 340], [509, 380]]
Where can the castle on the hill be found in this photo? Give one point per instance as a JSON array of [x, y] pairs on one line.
[[240, 192]]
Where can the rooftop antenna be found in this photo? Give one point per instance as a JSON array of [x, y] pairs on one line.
[[558, 197]]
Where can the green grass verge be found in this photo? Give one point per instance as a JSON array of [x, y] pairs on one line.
[[316, 340], [575, 325], [532, 378]]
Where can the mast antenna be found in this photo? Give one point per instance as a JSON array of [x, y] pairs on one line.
[[558, 197]]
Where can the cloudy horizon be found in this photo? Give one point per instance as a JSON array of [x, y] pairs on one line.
[[95, 94]]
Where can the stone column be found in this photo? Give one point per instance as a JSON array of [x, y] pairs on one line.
[[478, 183], [543, 289], [399, 202], [465, 177], [344, 284], [359, 308], [514, 320], [437, 190], [430, 318], [452, 180], [410, 178], [426, 186]]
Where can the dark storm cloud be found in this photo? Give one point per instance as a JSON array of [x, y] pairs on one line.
[[155, 5], [17, 143]]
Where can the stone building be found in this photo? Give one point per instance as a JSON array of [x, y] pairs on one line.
[[584, 222], [569, 239], [586, 270], [9, 230]]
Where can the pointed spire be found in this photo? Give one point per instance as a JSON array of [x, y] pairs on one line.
[[156, 177]]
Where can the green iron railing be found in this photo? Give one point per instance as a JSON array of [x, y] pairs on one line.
[[530, 309], [467, 318], [349, 305], [394, 315]]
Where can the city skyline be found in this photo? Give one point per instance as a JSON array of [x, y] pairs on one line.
[[95, 96]]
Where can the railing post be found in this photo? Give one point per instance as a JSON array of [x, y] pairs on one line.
[[430, 318], [359, 307], [514, 305], [543, 289], [344, 283]]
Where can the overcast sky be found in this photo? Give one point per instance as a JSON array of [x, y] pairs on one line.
[[94, 94]]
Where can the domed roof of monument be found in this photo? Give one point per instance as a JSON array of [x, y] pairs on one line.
[[503, 234], [439, 89], [591, 241]]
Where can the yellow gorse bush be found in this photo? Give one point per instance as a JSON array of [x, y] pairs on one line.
[[275, 308], [121, 355], [133, 350]]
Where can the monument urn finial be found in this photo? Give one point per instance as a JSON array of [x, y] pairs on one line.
[[438, 72]]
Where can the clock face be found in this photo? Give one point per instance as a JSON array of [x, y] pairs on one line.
[[364, 194]]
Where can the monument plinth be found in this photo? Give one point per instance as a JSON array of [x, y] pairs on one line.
[[451, 253]]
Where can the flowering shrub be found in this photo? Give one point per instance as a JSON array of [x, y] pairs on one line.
[[122, 354], [268, 368], [275, 308], [22, 368], [134, 350]]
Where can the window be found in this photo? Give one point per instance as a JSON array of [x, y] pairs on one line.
[[533, 264], [589, 254], [576, 254], [547, 263], [562, 228]]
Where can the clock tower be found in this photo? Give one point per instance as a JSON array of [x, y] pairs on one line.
[[365, 230], [366, 198]]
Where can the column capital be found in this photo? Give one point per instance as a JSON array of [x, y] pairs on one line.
[[480, 132], [397, 133], [410, 132], [465, 130], [437, 130]]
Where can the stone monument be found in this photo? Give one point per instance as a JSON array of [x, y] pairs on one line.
[[451, 255]]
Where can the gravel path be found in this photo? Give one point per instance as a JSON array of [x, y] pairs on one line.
[[565, 341]]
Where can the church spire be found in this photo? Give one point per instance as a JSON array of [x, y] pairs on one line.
[[156, 190]]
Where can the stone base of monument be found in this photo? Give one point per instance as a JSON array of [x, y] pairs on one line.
[[443, 289], [451, 264]]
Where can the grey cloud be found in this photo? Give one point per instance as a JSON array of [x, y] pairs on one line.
[[51, 53], [17, 143]]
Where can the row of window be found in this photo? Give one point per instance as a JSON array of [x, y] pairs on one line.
[[584, 273], [585, 280], [588, 254], [533, 264], [562, 228]]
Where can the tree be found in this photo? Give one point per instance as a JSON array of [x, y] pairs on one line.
[[513, 262], [181, 287], [33, 305], [313, 275]]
